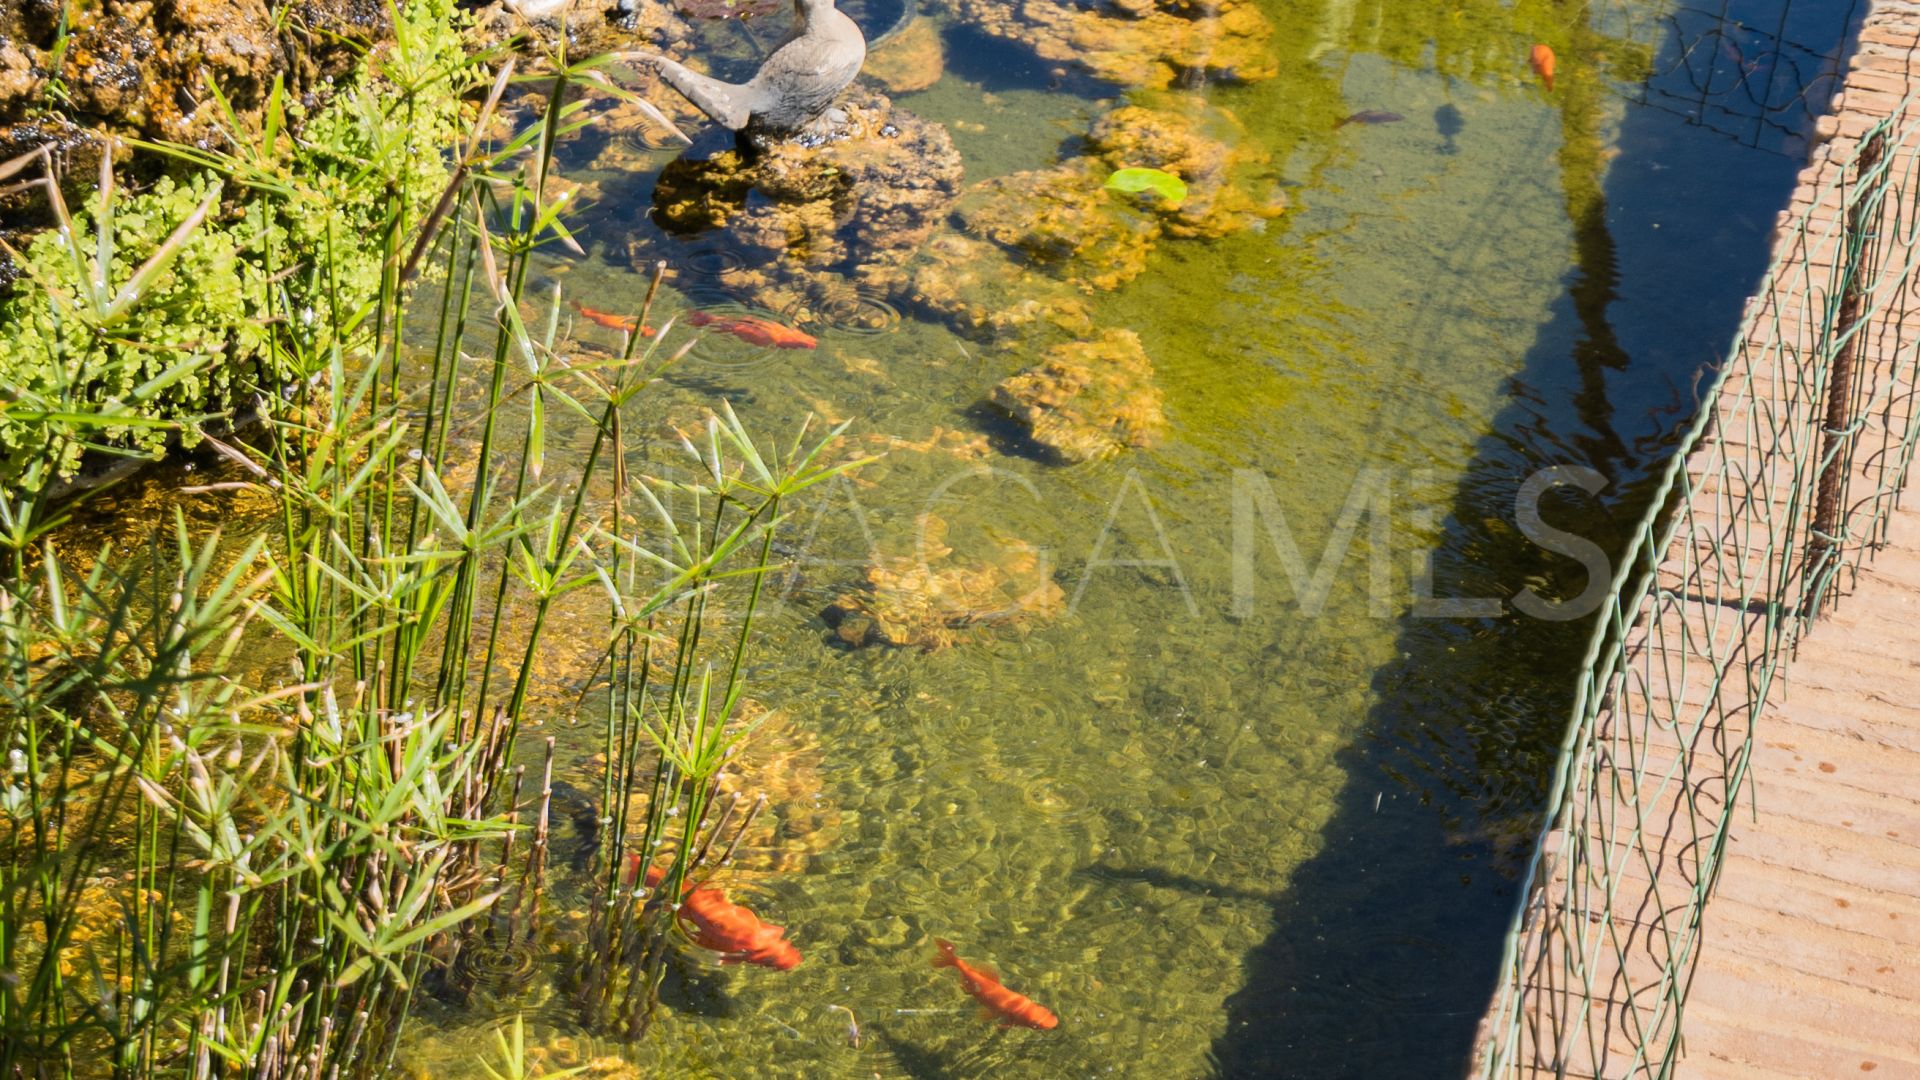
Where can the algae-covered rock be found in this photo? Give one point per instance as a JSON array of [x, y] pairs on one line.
[[973, 285], [1086, 399], [148, 68], [1069, 235], [18, 75], [1206, 148], [1064, 217], [928, 602], [880, 181], [1137, 43]]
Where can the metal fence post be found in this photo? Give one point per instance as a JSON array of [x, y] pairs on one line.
[[1823, 548]]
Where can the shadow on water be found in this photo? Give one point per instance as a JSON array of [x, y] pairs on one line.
[[1387, 942], [999, 66], [916, 1062]]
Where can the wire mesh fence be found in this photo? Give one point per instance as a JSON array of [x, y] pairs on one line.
[[1782, 486]]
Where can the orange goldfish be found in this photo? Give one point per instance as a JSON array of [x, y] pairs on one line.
[[1542, 61], [612, 321], [753, 330], [727, 928], [1010, 1008], [735, 933]]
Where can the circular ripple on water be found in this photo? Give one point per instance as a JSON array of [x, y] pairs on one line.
[[941, 836], [650, 138], [500, 967], [852, 310], [1032, 754], [1057, 799], [709, 260], [961, 839]]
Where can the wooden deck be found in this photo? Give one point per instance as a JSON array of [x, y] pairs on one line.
[[1808, 956], [1810, 963]]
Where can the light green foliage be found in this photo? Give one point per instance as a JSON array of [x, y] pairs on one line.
[[271, 869], [377, 137], [198, 312], [306, 225]]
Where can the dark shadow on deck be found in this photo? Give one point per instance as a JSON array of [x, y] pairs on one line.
[[1386, 944]]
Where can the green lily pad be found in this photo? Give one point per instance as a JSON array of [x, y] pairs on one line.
[[1137, 181]]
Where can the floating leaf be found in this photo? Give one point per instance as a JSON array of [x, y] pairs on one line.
[[1135, 181]]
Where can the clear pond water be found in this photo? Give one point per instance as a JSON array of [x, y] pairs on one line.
[[1220, 821]]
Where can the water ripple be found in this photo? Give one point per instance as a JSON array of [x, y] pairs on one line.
[[853, 310]]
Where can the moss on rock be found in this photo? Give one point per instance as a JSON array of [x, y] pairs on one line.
[[928, 602], [1086, 399]]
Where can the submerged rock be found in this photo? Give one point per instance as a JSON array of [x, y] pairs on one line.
[[1032, 243], [1063, 217], [1137, 43], [1086, 399], [1205, 147], [973, 286], [774, 759], [871, 219], [926, 602]]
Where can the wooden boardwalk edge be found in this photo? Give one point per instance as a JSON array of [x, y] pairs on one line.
[[1806, 962]]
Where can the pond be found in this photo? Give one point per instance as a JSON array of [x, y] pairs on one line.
[[1220, 726]]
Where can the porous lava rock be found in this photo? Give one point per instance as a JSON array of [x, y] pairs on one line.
[[930, 601], [1086, 399]]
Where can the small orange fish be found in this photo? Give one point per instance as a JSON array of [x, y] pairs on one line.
[[1011, 1008], [1542, 61], [753, 330], [612, 321], [735, 933], [727, 928]]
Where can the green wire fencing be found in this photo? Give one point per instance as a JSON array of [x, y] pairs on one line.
[[1782, 486]]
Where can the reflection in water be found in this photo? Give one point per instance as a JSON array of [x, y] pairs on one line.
[[1350, 940]]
